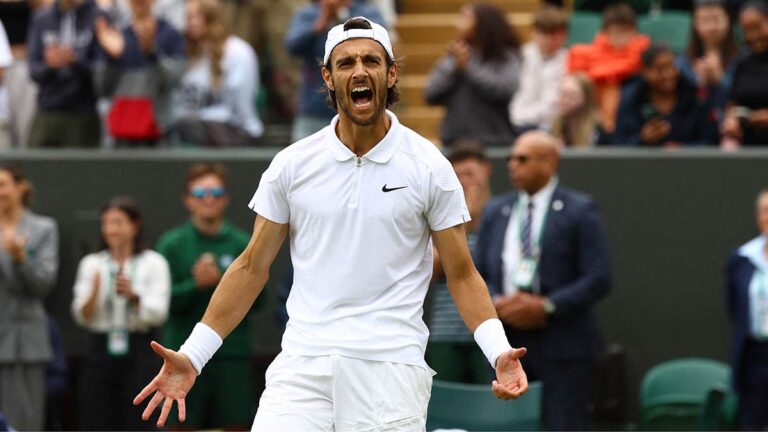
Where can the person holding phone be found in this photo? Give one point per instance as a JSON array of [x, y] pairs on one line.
[[746, 120], [664, 108]]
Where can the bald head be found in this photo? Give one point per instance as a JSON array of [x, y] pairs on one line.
[[534, 160]]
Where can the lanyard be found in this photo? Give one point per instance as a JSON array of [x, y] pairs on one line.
[[760, 317]]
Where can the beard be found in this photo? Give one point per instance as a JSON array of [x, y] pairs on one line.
[[344, 103]]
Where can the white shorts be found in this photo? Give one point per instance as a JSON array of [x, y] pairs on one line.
[[336, 393]]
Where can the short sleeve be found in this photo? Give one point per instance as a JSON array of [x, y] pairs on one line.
[[270, 200], [447, 207]]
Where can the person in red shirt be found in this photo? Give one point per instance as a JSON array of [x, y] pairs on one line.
[[613, 56]]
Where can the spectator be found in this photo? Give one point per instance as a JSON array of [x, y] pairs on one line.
[[29, 247], [142, 63], [216, 104], [6, 60], [452, 351], [199, 252], [746, 120], [477, 78], [306, 39], [712, 49], [121, 296], [577, 119], [62, 49], [543, 252], [533, 106], [21, 90], [613, 56], [747, 293], [664, 108]]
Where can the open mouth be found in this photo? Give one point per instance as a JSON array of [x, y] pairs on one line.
[[362, 96]]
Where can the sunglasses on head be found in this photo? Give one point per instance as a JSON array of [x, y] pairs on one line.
[[201, 192]]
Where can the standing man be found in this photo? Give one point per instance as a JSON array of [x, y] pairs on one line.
[[305, 39], [361, 199], [543, 252], [198, 252], [62, 49]]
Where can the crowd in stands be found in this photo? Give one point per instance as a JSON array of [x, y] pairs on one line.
[[150, 73], [622, 89]]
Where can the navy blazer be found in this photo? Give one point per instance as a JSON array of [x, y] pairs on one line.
[[574, 270], [739, 274]]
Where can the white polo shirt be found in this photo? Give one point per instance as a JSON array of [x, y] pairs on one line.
[[360, 240]]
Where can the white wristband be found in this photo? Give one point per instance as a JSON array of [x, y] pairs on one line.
[[490, 337], [201, 345]]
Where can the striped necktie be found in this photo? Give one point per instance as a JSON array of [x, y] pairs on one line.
[[526, 234]]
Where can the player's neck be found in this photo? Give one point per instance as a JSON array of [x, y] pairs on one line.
[[208, 227], [360, 139]]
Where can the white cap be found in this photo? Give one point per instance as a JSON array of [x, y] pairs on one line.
[[338, 35]]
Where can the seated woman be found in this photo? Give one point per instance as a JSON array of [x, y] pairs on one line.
[[663, 108], [121, 295], [477, 78], [709, 59], [141, 63], [215, 106], [577, 121], [746, 116]]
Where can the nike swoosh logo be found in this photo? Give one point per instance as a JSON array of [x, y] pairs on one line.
[[386, 189]]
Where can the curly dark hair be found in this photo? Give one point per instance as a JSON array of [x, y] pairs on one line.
[[493, 35], [393, 93]]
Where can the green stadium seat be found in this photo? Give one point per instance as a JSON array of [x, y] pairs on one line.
[[583, 26], [719, 410], [473, 407], [671, 27], [673, 394]]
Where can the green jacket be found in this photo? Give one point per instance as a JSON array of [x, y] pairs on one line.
[[182, 246]]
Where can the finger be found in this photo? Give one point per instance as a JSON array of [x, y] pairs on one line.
[[518, 353], [522, 386], [145, 392], [153, 403], [164, 413], [182, 409], [502, 392], [159, 349]]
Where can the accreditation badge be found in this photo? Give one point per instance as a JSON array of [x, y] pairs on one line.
[[117, 342], [525, 273]]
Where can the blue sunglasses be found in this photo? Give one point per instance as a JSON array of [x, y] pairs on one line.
[[201, 192]]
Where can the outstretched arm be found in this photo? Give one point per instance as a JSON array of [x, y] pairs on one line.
[[238, 289], [476, 308]]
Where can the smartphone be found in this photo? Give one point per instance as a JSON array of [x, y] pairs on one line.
[[649, 112]]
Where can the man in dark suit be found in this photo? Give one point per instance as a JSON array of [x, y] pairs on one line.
[[544, 255]]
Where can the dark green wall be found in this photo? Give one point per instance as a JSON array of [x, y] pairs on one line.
[[672, 218]]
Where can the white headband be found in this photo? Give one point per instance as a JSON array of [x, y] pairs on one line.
[[338, 35]]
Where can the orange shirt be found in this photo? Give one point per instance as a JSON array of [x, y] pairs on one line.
[[604, 63]]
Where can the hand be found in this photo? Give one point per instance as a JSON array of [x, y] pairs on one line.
[[110, 38], [329, 11], [709, 69], [172, 383], [145, 30], [123, 288], [15, 246], [654, 130], [460, 50], [732, 127], [759, 118], [58, 56], [511, 381], [523, 311], [205, 272]]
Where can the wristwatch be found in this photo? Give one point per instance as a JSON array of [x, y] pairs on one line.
[[549, 307]]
